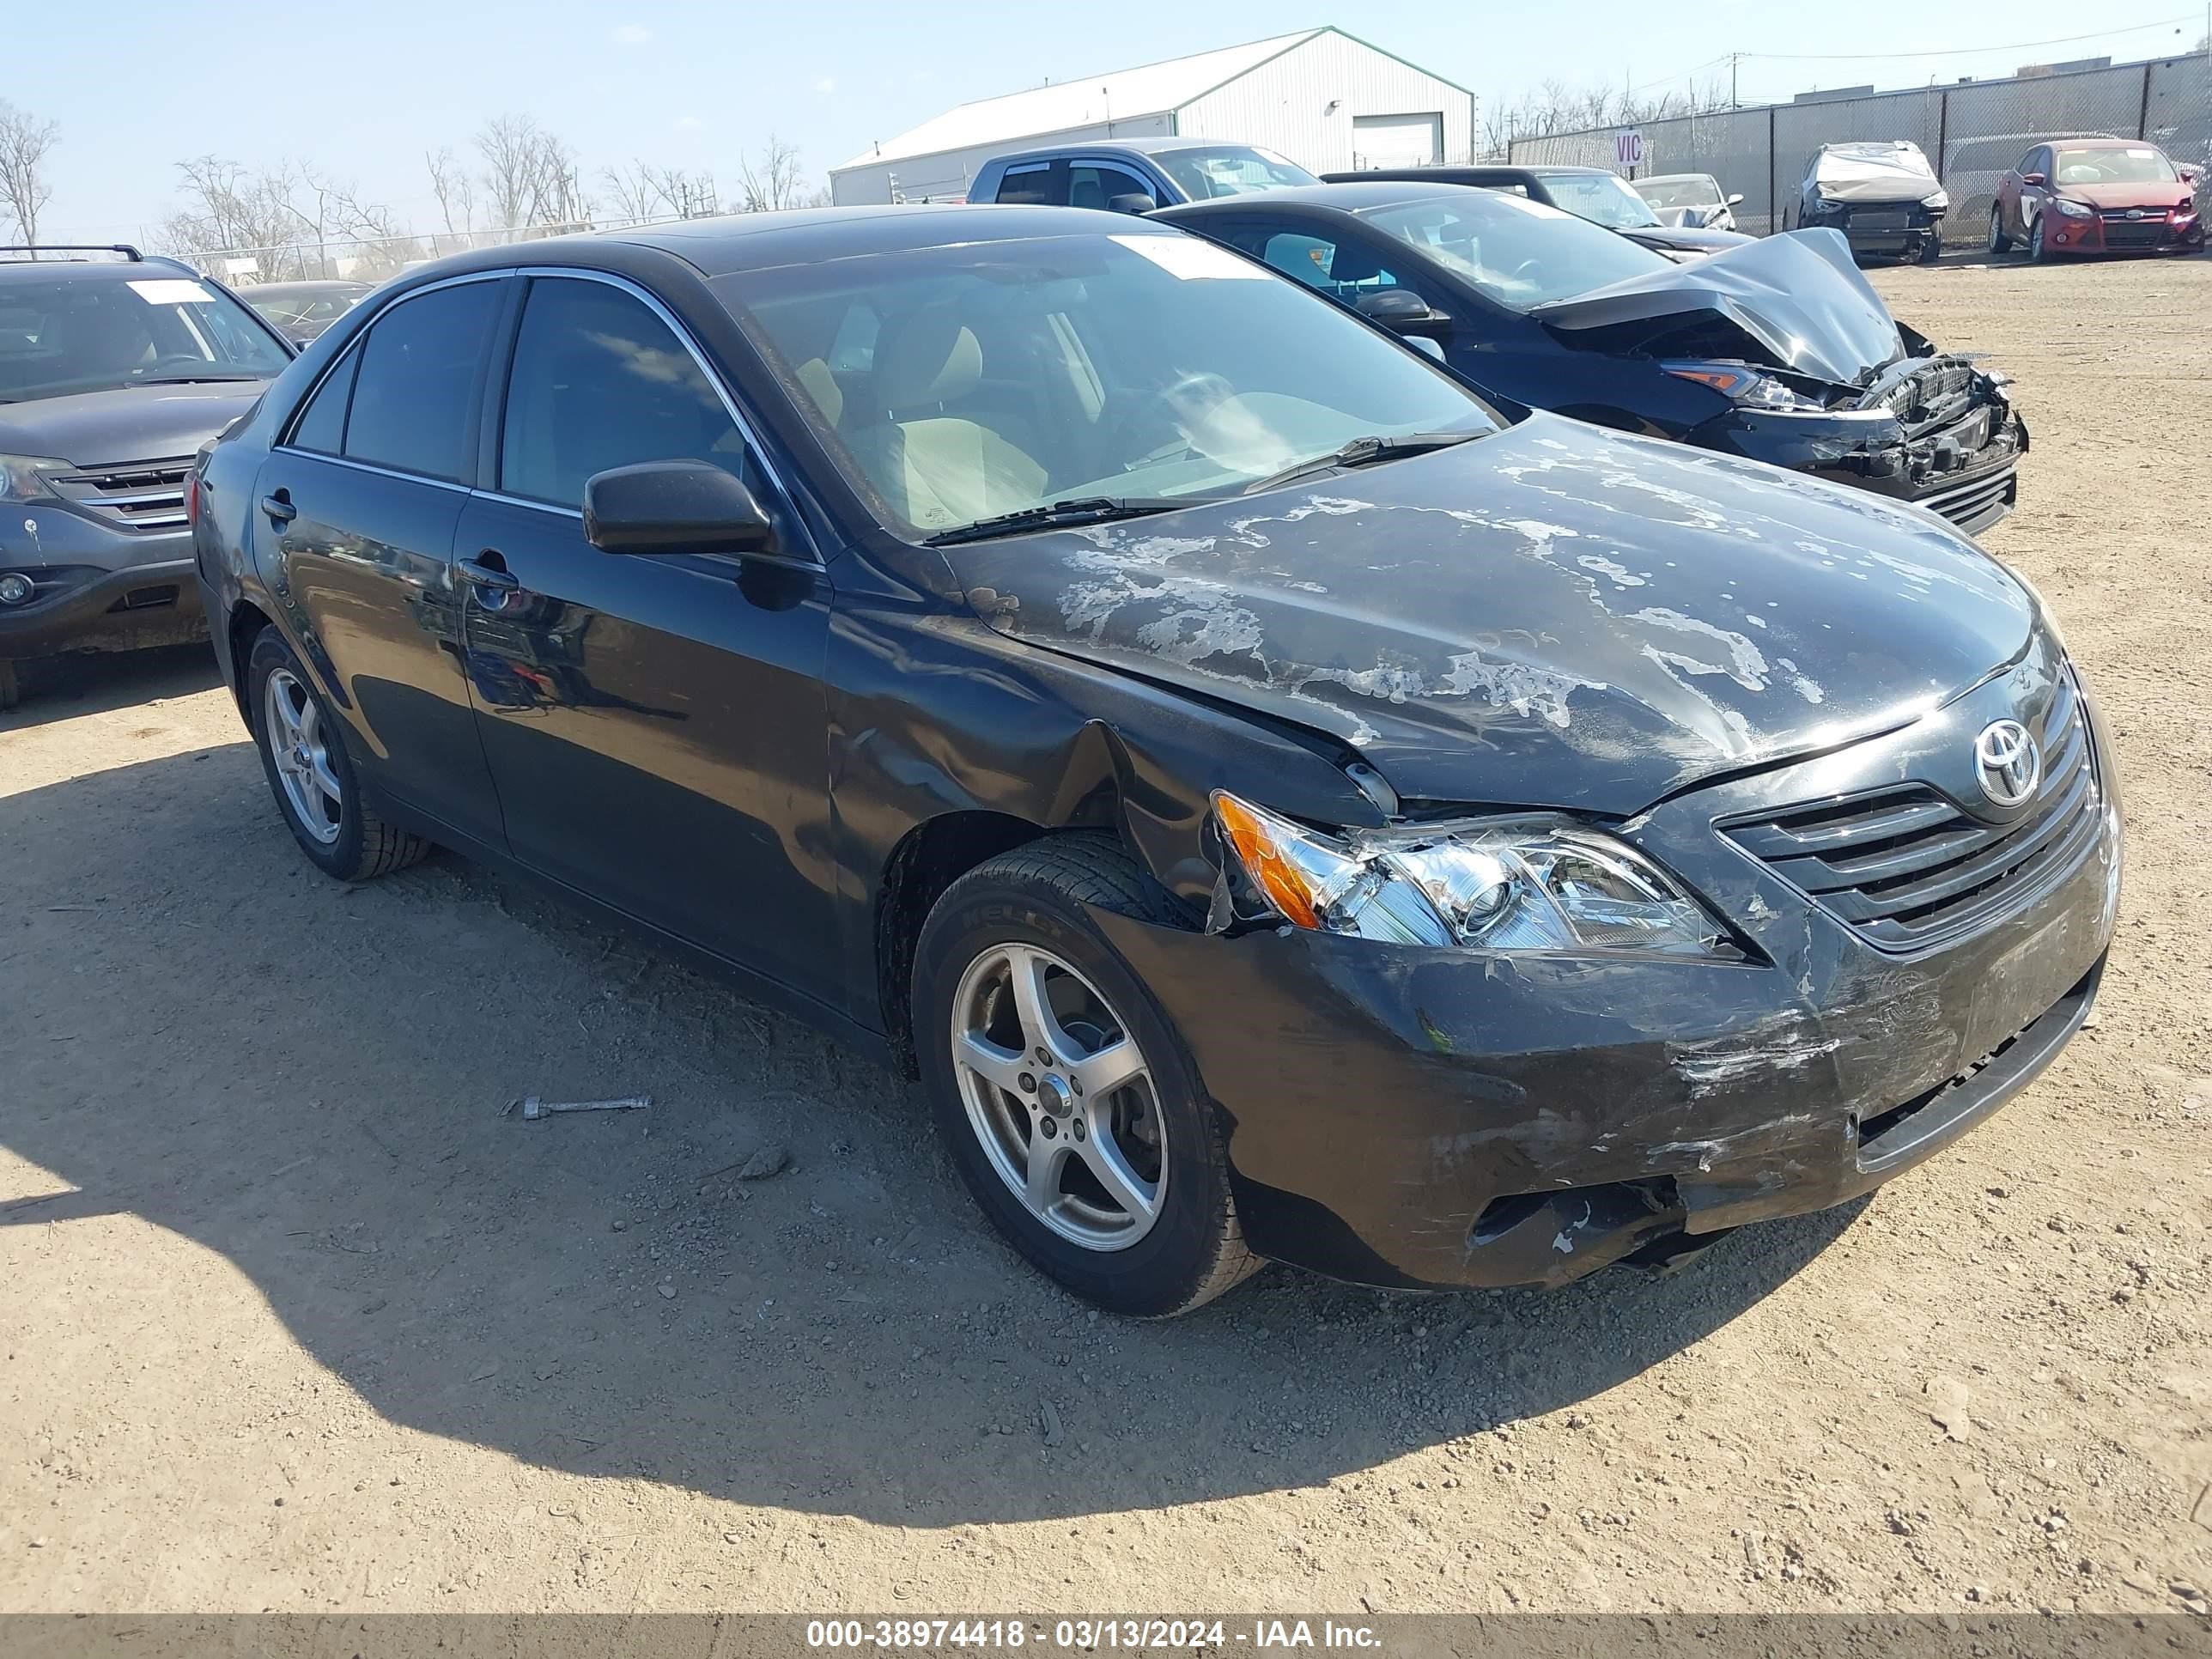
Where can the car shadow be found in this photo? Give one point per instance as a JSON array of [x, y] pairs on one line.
[[307, 1080], [63, 687]]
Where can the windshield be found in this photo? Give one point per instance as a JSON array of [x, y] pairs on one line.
[[2138, 164], [1695, 190], [304, 310], [1229, 170], [962, 383], [1518, 252], [67, 334], [1603, 199]]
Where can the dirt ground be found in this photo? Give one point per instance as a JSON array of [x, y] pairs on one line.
[[294, 1319]]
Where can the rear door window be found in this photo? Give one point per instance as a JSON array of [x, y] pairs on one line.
[[599, 381], [321, 426], [415, 394], [1091, 185], [1035, 184]]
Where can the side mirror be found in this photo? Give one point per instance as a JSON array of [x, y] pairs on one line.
[[673, 507], [2188, 174], [1132, 201], [2034, 179], [1734, 199], [1403, 311]]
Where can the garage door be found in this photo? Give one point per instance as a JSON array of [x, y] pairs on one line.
[[1397, 141]]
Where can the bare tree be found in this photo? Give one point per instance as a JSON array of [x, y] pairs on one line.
[[1555, 107], [770, 182], [636, 190], [24, 141], [455, 190], [529, 175], [288, 217], [690, 194]]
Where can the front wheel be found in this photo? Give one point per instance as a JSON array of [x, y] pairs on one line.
[[1999, 242], [2036, 251], [303, 751], [1063, 1092], [1931, 248], [11, 685]]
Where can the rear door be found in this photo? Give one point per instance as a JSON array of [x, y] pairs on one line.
[[656, 725], [1035, 184], [356, 517]]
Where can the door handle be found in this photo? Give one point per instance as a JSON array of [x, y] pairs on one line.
[[492, 576], [279, 507]]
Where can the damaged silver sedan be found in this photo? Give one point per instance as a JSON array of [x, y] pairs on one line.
[[1279, 805]]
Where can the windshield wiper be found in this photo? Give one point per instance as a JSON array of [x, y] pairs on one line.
[[191, 379], [1091, 509], [1363, 451]]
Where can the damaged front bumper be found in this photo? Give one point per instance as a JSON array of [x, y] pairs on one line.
[[1938, 433], [1424, 1118]]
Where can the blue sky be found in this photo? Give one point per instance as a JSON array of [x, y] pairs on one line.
[[361, 91]]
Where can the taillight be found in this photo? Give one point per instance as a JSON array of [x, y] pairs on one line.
[[192, 497]]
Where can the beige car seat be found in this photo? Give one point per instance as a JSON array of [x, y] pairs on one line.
[[937, 469]]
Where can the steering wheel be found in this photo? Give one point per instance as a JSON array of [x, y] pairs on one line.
[[1175, 408]]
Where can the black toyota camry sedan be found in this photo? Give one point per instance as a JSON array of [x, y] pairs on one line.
[[1279, 805], [1776, 350]]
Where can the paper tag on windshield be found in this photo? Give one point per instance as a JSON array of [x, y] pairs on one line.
[[1190, 258], [170, 291], [2141, 154]]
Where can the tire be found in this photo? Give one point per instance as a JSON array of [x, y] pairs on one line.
[[2037, 252], [1931, 248], [1999, 242], [1029, 904], [350, 841], [11, 685]]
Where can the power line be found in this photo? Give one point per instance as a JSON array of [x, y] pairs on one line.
[[1967, 52]]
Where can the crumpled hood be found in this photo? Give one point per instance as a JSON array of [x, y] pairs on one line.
[[1798, 300], [1555, 615], [2161, 194], [1695, 239], [128, 424]]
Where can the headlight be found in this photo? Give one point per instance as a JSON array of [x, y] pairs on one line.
[[1746, 387], [1941, 199], [2066, 210], [1529, 882], [23, 477]]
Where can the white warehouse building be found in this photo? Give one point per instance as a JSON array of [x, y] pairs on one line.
[[1321, 97]]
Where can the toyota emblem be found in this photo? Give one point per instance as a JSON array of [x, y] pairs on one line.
[[2007, 762]]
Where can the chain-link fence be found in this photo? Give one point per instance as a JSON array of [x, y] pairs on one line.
[[1973, 133]]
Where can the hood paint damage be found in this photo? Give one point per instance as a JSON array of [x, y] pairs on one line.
[[1796, 302], [1629, 617]]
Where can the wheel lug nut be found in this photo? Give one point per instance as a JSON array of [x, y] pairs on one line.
[[1028, 1084], [1076, 1084], [1044, 1057], [1080, 1131], [1046, 1129]]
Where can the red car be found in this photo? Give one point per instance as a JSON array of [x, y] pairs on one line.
[[2096, 196]]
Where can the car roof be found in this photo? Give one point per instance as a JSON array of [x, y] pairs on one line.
[[1665, 178], [749, 242], [95, 270], [1345, 198], [312, 285], [1122, 146]]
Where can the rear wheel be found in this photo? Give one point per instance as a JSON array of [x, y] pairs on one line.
[[1999, 242], [304, 754], [1066, 1097]]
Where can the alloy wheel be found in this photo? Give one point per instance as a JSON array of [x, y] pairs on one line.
[[1060, 1096], [301, 752]]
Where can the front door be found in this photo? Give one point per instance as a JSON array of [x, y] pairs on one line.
[[655, 724], [356, 517]]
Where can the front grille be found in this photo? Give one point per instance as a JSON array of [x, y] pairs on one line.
[[1933, 395], [2120, 231], [140, 496], [1975, 502], [1907, 867]]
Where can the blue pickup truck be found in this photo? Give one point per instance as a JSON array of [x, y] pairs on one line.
[[1133, 175]]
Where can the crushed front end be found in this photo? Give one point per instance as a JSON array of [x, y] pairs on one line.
[[1897, 957]]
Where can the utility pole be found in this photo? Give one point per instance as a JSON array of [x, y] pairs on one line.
[[1735, 58]]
